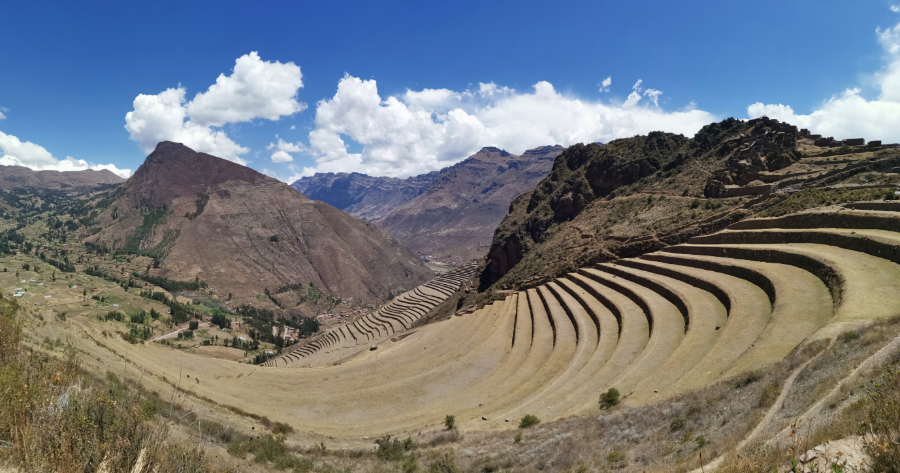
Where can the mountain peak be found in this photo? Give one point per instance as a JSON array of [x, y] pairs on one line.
[[494, 150], [186, 173], [244, 233]]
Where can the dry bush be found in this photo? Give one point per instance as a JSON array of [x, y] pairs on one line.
[[834, 364], [448, 436], [56, 418], [883, 422]]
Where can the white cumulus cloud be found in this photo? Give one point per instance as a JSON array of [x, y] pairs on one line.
[[255, 89], [36, 157], [895, 8], [161, 117], [2, 110], [283, 148], [604, 86], [420, 131], [849, 114], [653, 95]]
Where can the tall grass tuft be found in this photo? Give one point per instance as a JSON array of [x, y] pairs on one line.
[[56, 418]]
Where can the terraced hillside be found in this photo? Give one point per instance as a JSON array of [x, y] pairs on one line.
[[665, 323], [640, 194], [367, 331]]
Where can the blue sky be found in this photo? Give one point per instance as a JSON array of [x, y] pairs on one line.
[[462, 76]]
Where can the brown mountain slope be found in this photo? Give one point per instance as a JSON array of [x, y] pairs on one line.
[[456, 217], [19, 176], [242, 232], [637, 195], [367, 197]]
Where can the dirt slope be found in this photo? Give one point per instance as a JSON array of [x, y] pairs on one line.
[[19, 176], [242, 232]]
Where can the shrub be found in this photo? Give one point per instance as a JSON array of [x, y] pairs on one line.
[[769, 395], [448, 436], [609, 398], [411, 465], [282, 428], [883, 422], [677, 424], [393, 449], [614, 456], [701, 441], [193, 325], [443, 464], [848, 337], [747, 379], [518, 437], [528, 421], [450, 422]]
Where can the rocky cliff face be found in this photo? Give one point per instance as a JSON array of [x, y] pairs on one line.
[[547, 218], [367, 197], [18, 176], [242, 232]]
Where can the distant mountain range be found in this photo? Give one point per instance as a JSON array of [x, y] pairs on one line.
[[242, 232], [367, 197], [19, 176], [449, 214]]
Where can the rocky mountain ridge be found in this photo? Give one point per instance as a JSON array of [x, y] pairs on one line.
[[447, 215], [20, 176], [367, 197], [455, 217]]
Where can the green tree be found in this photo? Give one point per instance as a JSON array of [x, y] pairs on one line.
[[528, 421], [450, 422], [609, 398]]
